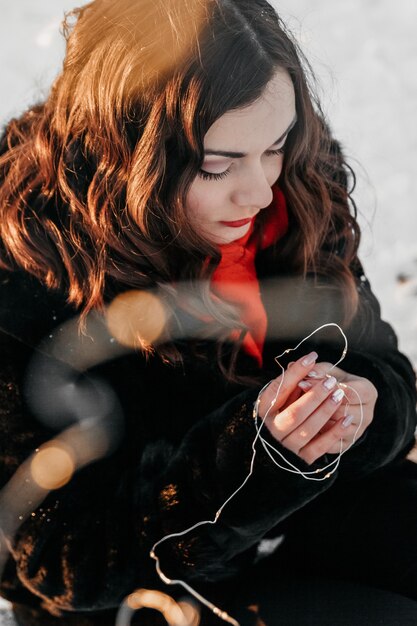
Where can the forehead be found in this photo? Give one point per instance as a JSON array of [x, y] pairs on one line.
[[262, 121]]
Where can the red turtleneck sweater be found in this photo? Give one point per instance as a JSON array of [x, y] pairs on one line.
[[235, 279]]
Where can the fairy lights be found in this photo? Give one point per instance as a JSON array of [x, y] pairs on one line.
[[328, 469]]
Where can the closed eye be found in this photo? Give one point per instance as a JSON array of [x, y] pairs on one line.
[[209, 176], [219, 176], [276, 152]]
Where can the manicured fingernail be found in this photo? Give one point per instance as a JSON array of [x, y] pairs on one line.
[[338, 395], [305, 385], [330, 383], [348, 421], [310, 359], [314, 374]]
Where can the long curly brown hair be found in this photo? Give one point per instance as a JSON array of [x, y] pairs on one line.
[[94, 179]]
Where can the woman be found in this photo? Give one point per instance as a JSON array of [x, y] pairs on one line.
[[173, 217]]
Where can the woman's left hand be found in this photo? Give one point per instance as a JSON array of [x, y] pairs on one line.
[[357, 408]]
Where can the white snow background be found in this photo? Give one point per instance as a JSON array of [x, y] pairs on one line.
[[365, 55]]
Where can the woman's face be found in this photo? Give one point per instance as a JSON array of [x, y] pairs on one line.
[[243, 159]]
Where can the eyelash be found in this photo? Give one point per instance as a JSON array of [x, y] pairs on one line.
[[210, 176]]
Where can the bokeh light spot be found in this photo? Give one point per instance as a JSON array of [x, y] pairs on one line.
[[52, 467], [137, 319]]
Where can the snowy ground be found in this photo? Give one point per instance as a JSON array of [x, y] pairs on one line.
[[365, 54]]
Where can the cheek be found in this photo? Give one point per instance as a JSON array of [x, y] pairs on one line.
[[274, 170], [194, 205], [201, 203]]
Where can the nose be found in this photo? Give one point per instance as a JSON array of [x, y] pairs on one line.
[[253, 191]]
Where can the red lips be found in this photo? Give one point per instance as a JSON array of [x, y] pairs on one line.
[[238, 223]]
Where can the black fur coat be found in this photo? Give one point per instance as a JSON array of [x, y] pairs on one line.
[[182, 444]]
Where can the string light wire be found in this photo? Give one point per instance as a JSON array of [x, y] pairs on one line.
[[268, 447]]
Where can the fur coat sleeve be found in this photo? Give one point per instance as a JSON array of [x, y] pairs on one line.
[[184, 449]]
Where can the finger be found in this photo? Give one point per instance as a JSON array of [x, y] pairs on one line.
[[349, 434], [322, 444], [355, 424], [296, 413], [360, 391], [294, 395], [299, 437], [280, 389], [329, 424], [362, 415], [329, 442], [320, 370]]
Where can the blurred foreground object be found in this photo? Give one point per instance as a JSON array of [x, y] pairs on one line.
[[176, 614]]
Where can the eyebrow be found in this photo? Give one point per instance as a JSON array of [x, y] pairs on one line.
[[240, 155]]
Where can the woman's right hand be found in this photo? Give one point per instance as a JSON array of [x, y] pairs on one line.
[[302, 422]]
